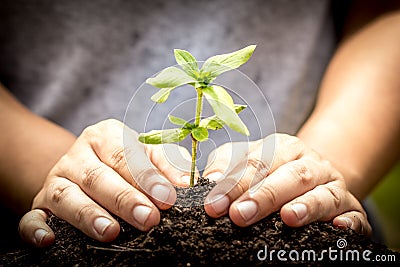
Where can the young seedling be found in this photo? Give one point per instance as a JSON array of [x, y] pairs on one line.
[[226, 112]]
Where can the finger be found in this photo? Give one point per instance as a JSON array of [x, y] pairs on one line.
[[224, 160], [240, 174], [322, 203], [65, 200], [354, 220], [216, 203], [172, 161], [228, 190], [218, 162], [245, 164], [117, 147], [286, 183], [34, 230], [273, 151], [109, 189]]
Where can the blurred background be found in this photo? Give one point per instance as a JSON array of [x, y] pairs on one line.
[[386, 197]]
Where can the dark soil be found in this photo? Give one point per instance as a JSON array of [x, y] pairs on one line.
[[186, 236]]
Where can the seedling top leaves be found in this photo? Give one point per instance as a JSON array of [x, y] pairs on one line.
[[226, 112]]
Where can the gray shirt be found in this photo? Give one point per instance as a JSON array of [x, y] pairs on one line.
[[79, 62]]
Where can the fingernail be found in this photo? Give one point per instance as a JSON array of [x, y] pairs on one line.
[[161, 193], [220, 204], [40, 234], [141, 214], [101, 224], [215, 176], [299, 209], [344, 223], [185, 179], [247, 209]]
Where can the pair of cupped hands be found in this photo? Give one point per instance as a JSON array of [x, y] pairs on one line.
[[107, 171]]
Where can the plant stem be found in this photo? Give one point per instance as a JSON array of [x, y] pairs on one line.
[[194, 154], [199, 107]]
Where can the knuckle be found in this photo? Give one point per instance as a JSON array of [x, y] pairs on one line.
[[60, 169], [118, 158], [289, 141], [336, 195], [90, 132], [316, 203], [121, 198], [320, 206], [269, 194], [141, 177], [242, 187], [236, 187], [260, 167], [91, 176], [290, 147], [303, 173], [84, 211], [59, 191], [98, 129]]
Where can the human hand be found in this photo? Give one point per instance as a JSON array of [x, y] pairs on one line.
[[295, 179], [106, 171]]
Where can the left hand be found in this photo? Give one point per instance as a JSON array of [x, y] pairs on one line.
[[106, 171], [295, 179]]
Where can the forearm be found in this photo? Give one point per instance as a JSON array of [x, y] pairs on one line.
[[355, 123], [30, 146]]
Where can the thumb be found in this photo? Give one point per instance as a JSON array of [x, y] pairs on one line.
[[173, 161], [34, 230], [225, 159]]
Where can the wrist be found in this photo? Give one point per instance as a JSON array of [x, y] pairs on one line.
[[30, 147]]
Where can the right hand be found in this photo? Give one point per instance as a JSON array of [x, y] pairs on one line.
[[294, 179], [94, 179]]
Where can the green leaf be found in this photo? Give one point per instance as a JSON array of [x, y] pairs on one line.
[[219, 64], [180, 122], [168, 79], [162, 95], [214, 123], [239, 108], [164, 136], [187, 61], [222, 104], [200, 134]]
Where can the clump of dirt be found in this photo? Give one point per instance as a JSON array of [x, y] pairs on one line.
[[186, 236]]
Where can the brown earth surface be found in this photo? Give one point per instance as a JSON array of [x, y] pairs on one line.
[[186, 236]]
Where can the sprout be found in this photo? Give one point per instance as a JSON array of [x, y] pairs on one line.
[[226, 112]]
